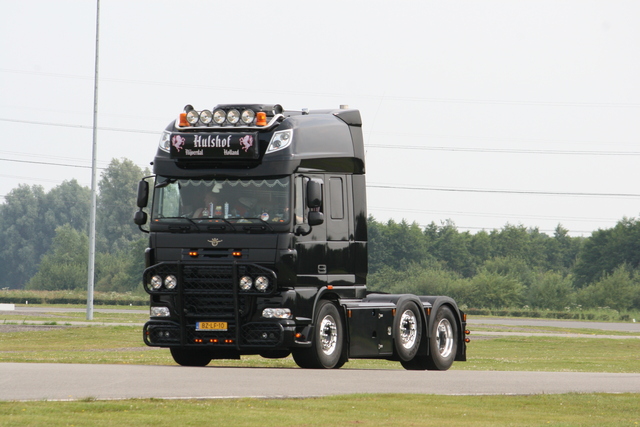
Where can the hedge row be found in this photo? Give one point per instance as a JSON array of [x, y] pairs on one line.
[[570, 315], [62, 297]]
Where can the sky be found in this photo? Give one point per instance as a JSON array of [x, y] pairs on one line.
[[483, 113]]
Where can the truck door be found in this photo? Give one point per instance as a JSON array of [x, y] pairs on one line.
[[337, 217], [311, 247]]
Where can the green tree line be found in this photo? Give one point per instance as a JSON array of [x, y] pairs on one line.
[[43, 235], [511, 267], [44, 245]]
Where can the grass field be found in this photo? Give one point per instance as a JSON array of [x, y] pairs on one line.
[[21, 342], [123, 344], [361, 410]]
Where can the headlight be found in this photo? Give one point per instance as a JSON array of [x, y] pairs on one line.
[[192, 117], [156, 282], [245, 283], [280, 140], [262, 283], [248, 116], [206, 116], [233, 116], [276, 313], [170, 282], [160, 312], [165, 141]]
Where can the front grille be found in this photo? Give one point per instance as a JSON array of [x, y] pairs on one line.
[[210, 293], [210, 278]]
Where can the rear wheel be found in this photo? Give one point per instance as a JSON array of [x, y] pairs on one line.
[[191, 357], [327, 345], [408, 330], [443, 343]]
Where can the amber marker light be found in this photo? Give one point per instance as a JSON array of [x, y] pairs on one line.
[[237, 254], [193, 254], [261, 118], [183, 120]]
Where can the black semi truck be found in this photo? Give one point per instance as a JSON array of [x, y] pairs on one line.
[[257, 223]]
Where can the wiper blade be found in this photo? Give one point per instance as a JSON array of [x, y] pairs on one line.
[[257, 227], [220, 227]]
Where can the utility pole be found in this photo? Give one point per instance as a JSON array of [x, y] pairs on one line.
[[94, 173]]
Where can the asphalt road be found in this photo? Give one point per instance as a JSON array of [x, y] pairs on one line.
[[29, 381]]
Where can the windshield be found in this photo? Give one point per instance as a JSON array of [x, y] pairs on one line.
[[233, 201]]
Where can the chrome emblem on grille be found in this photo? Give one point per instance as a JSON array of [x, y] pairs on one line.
[[214, 241]]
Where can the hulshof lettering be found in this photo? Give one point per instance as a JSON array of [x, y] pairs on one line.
[[211, 141]]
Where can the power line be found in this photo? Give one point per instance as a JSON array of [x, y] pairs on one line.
[[342, 95], [505, 150], [78, 126], [377, 146], [528, 192], [47, 163]]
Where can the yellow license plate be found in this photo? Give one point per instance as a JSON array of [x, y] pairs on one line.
[[211, 326]]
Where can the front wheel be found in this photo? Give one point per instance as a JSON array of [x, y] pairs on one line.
[[327, 345], [191, 357]]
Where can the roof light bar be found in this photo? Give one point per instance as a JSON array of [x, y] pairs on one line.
[[249, 116]]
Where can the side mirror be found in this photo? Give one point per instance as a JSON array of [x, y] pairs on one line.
[[143, 194], [314, 194], [140, 218], [315, 218]]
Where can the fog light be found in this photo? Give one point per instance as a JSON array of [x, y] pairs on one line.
[[192, 117], [246, 283], [206, 116], [233, 116], [219, 116], [160, 312], [156, 282], [262, 283], [170, 282], [248, 116]]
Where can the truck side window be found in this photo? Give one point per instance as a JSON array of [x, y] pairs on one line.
[[337, 207], [300, 200]]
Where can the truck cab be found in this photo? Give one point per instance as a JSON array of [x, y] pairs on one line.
[[258, 244]]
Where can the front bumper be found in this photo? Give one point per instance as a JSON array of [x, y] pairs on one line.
[[258, 336]]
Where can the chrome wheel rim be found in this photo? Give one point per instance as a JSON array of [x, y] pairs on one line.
[[444, 338], [408, 329], [328, 335]]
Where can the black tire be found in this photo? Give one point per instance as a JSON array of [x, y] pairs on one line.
[[191, 357], [443, 340], [327, 344], [407, 328]]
